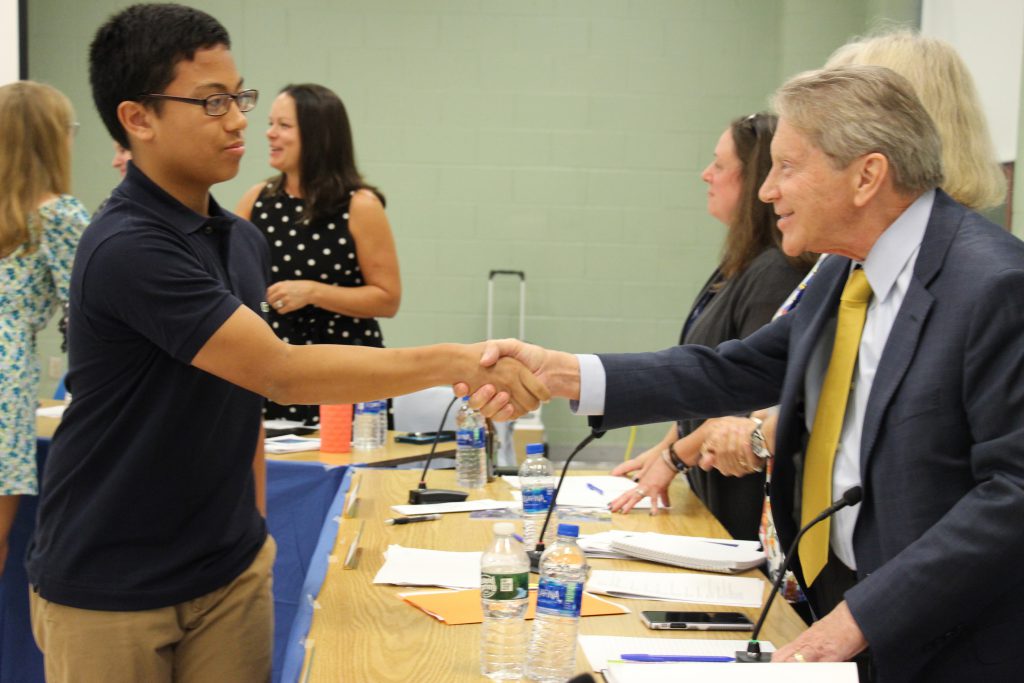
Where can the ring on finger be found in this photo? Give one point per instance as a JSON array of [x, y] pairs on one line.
[[640, 492], [797, 657], [279, 304]]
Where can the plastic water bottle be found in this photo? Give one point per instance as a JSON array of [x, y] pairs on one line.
[[470, 458], [537, 484], [504, 592], [364, 426], [551, 655], [382, 423]]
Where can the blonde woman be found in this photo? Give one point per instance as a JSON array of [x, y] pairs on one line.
[[40, 224]]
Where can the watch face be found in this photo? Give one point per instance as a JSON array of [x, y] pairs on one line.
[[757, 444]]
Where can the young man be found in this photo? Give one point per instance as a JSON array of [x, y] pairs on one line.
[[150, 561]]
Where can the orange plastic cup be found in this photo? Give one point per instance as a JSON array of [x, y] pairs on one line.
[[336, 428]]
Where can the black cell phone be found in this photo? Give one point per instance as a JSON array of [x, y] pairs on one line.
[[424, 437], [696, 621]]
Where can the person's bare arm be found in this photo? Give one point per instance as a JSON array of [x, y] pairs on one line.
[[259, 473], [244, 208], [245, 352]]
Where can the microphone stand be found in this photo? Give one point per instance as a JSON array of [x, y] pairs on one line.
[[538, 550], [753, 654], [421, 495]]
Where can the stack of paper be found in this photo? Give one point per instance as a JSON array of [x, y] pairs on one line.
[[600, 544], [418, 567], [51, 411], [672, 586], [288, 443], [692, 552], [602, 650]]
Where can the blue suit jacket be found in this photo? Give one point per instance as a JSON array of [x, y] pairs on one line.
[[939, 539]]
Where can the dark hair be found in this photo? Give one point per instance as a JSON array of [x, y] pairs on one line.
[[327, 163], [753, 229], [137, 50]]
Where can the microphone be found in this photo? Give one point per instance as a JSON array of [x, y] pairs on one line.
[[753, 653], [538, 550], [421, 495]]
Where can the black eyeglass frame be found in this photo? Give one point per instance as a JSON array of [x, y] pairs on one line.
[[204, 102]]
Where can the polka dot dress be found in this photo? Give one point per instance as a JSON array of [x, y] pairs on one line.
[[321, 250]]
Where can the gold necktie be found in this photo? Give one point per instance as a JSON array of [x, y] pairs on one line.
[[828, 423]]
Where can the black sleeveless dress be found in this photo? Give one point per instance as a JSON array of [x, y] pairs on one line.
[[322, 250]]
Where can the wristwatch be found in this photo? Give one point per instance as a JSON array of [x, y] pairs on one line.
[[673, 461], [757, 441]]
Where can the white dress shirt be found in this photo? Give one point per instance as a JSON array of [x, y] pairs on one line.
[[888, 267]]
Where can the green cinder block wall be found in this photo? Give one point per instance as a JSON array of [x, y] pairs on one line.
[[564, 138]]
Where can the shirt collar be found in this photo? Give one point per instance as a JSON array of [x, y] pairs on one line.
[[895, 247], [138, 187]]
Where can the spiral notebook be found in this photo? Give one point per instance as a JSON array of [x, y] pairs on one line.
[[690, 552]]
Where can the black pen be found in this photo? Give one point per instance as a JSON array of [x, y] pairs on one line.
[[410, 520]]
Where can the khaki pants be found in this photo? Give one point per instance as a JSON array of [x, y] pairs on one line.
[[222, 637]]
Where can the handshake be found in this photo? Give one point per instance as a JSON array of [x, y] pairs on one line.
[[513, 378]]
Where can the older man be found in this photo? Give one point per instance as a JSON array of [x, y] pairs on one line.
[[900, 371]]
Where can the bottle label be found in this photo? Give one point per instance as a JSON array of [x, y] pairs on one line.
[[561, 599], [504, 586], [470, 438], [537, 500]]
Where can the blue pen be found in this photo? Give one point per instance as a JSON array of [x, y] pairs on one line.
[[674, 658], [518, 538], [594, 488]]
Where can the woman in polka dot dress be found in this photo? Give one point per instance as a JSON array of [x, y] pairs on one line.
[[40, 225], [333, 262]]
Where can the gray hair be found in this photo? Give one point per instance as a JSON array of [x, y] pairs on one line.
[[851, 111]]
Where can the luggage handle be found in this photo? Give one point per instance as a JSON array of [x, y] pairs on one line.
[[522, 300]]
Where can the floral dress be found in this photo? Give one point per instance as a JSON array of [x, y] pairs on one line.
[[33, 283]]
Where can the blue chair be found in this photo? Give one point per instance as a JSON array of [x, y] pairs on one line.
[[61, 392]]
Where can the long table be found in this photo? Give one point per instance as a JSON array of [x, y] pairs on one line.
[[392, 454], [364, 632]]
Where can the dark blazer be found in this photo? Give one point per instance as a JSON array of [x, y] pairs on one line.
[[939, 539]]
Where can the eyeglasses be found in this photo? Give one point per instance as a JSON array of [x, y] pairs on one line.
[[219, 103]]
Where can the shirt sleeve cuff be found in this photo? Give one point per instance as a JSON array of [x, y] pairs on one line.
[[592, 386]]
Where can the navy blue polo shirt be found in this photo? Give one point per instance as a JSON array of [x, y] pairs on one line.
[[148, 497]]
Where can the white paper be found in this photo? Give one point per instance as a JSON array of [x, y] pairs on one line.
[[674, 672], [443, 508], [288, 443], [600, 650], [601, 491], [283, 424], [51, 411], [418, 567], [735, 591]]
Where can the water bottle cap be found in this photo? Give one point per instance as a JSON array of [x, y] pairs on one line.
[[571, 530], [504, 528], [535, 449], [465, 399]]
